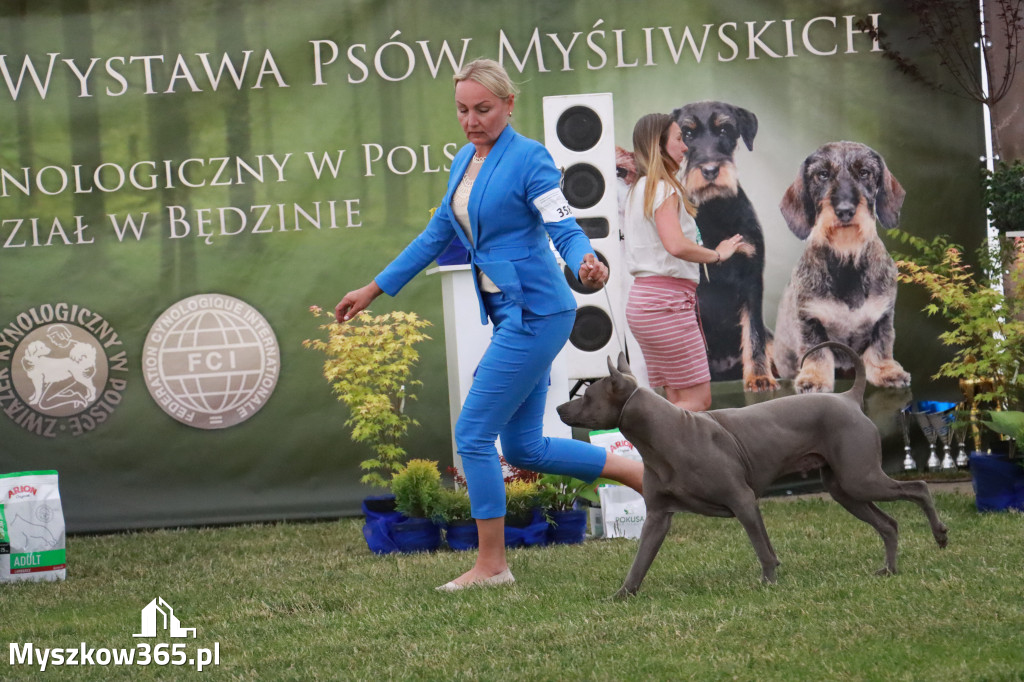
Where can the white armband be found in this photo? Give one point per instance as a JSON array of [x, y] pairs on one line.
[[553, 206]]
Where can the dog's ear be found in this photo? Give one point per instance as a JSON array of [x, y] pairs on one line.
[[746, 123], [612, 371], [624, 364], [889, 199], [797, 207]]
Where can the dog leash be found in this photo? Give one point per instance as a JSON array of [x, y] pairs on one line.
[[615, 328]]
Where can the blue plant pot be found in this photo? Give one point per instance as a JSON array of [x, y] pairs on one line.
[[416, 535], [533, 532], [998, 482], [568, 527], [462, 535]]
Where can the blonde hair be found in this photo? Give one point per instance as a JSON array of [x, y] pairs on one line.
[[652, 161], [489, 74]]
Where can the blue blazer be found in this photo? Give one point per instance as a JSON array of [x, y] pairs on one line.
[[510, 234]]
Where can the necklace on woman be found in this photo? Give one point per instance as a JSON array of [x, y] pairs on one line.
[[479, 159]]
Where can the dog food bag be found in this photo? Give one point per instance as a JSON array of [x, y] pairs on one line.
[[31, 527], [623, 511], [615, 443]]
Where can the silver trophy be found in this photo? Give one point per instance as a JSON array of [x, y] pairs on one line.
[[960, 434], [931, 434], [908, 460], [944, 427]]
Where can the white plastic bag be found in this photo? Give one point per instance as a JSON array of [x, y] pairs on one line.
[[32, 546], [623, 511]]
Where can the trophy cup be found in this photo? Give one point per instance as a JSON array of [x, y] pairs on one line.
[[908, 460], [960, 434], [932, 436], [943, 423]]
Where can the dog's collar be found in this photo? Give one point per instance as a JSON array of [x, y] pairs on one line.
[[618, 424]]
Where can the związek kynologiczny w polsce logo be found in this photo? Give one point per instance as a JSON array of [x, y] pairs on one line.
[[63, 369], [157, 617]]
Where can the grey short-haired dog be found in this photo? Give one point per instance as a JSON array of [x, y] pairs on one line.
[[843, 288], [718, 463]]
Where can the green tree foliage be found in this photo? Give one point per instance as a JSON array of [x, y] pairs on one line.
[[1004, 196], [986, 329], [369, 367]]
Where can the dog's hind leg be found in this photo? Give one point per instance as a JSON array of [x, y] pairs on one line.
[[653, 533], [749, 516], [870, 514], [878, 487]]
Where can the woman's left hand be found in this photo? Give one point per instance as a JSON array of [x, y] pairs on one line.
[[593, 272]]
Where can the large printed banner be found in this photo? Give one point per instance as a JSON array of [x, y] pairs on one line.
[[181, 181]]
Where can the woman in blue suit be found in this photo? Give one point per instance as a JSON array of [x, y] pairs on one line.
[[503, 202]]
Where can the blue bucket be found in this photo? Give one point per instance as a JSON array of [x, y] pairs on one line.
[[568, 527], [998, 482]]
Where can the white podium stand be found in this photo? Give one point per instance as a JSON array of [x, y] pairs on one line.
[[465, 342]]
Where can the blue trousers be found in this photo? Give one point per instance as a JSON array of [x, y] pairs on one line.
[[507, 400]]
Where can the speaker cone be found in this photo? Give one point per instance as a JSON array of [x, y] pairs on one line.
[[593, 329], [578, 128], [582, 185]]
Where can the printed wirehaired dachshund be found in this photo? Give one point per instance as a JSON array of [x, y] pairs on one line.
[[730, 293], [843, 288]]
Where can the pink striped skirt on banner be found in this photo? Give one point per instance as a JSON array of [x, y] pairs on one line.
[[662, 314]]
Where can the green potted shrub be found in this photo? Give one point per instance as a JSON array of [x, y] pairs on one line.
[[986, 331], [453, 511], [563, 498], [417, 490], [524, 520]]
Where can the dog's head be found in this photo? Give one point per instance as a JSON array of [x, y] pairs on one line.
[[841, 190], [37, 349], [602, 402], [711, 131]]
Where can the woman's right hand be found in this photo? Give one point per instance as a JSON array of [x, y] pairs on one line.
[[355, 302], [734, 244]]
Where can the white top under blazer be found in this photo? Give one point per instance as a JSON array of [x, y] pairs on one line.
[[645, 253]]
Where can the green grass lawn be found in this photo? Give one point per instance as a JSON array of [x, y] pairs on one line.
[[310, 602]]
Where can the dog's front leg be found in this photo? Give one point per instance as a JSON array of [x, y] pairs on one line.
[[655, 528], [757, 372], [818, 372], [881, 368]]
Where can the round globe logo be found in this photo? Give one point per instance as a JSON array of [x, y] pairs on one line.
[[211, 361]]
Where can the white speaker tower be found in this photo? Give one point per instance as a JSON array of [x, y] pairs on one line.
[[579, 133]]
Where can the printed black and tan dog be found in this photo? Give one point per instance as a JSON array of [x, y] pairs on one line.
[[730, 294]]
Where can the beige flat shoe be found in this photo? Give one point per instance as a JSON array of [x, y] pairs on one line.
[[503, 578]]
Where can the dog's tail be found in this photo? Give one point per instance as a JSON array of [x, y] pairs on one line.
[[860, 379]]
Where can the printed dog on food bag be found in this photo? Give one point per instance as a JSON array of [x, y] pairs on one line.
[[843, 288], [718, 463]]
